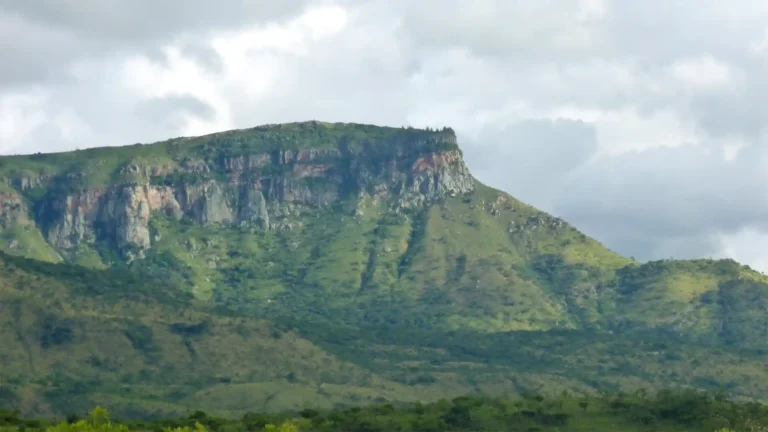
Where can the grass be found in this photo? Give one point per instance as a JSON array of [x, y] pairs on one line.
[[147, 353], [28, 242], [477, 293]]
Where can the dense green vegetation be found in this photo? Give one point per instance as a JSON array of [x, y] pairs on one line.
[[664, 411], [369, 284], [73, 337]]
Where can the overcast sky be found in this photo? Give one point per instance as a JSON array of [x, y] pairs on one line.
[[641, 123]]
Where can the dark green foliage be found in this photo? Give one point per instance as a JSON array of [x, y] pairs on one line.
[[460, 268], [112, 285], [414, 242], [184, 329], [291, 377], [555, 271], [142, 340], [55, 333], [165, 268], [13, 419], [679, 411], [8, 397]]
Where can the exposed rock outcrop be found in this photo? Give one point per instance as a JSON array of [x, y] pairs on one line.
[[13, 210], [265, 189], [435, 176], [129, 210], [73, 218], [253, 207]]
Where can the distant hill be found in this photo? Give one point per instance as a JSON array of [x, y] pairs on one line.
[[325, 263]]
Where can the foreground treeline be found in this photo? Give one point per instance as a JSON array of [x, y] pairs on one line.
[[665, 411]]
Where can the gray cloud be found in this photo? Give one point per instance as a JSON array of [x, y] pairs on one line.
[[39, 39], [667, 198], [529, 159], [169, 112], [202, 54], [19, 39], [689, 61], [118, 20], [734, 111], [144, 19]]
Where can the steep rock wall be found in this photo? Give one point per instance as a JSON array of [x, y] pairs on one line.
[[263, 189]]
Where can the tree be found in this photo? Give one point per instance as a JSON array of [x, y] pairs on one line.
[[97, 421], [198, 428], [584, 404], [285, 427]]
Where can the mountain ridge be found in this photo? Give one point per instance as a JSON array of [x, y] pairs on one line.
[[186, 177], [386, 216], [373, 245]]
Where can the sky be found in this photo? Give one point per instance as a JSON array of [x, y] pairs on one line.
[[641, 123]]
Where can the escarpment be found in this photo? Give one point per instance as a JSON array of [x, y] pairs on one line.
[[173, 268], [259, 177]]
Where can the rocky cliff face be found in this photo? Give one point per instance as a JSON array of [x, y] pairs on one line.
[[211, 185], [13, 210]]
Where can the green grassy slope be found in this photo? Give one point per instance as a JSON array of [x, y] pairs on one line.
[[706, 299], [483, 261], [72, 337], [476, 292]]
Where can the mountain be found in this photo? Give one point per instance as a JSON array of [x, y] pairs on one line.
[[362, 223], [326, 263]]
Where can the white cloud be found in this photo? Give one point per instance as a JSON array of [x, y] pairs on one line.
[[703, 72], [640, 122], [746, 246], [590, 10], [732, 148], [19, 115]]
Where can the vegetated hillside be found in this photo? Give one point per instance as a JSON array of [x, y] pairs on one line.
[[676, 411], [72, 337], [348, 223], [400, 275]]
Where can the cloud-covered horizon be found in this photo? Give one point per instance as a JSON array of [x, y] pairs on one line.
[[640, 123]]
